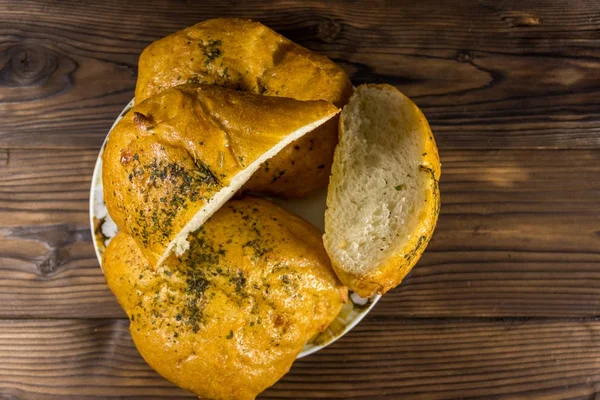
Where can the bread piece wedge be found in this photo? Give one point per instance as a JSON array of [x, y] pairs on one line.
[[175, 158], [383, 198], [246, 55]]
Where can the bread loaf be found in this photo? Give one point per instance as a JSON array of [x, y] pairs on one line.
[[227, 319]]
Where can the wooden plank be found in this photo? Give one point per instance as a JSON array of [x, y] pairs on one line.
[[517, 236], [487, 74], [381, 358], [43, 186], [47, 261]]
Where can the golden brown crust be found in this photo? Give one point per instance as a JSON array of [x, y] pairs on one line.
[[246, 55], [227, 320], [170, 154], [281, 175], [390, 273]]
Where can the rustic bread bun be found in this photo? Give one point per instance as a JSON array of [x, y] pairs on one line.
[[383, 199], [177, 157], [246, 55], [228, 319]]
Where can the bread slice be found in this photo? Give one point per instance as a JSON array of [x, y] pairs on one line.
[[383, 198], [177, 157]]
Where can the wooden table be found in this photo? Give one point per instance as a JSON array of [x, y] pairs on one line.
[[505, 302]]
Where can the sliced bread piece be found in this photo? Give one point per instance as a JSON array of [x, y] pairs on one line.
[[246, 55], [177, 157], [383, 198]]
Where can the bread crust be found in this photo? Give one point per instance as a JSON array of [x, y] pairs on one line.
[[229, 318], [392, 270], [172, 154], [245, 55]]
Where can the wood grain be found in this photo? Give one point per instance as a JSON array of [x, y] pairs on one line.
[[488, 74], [389, 359], [47, 263], [518, 236], [45, 186], [504, 303]]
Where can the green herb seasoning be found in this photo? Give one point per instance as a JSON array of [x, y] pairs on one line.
[[257, 247], [200, 265], [422, 241], [205, 174], [239, 281], [183, 185], [277, 175], [211, 50], [196, 286]]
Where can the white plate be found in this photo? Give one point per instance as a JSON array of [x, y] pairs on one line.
[[311, 208]]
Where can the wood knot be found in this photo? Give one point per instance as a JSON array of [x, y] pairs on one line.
[[56, 240], [521, 19], [465, 56], [328, 30], [28, 64], [50, 262]]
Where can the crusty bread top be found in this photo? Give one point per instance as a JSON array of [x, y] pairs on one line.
[[240, 54], [178, 156], [383, 197], [246, 55], [227, 319]]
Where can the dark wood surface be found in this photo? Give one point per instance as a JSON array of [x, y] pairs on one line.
[[386, 358], [504, 303]]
